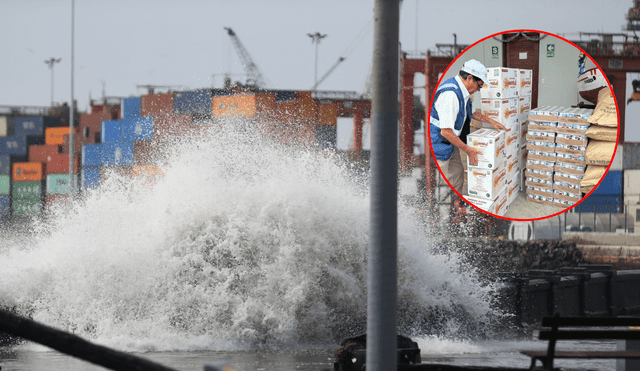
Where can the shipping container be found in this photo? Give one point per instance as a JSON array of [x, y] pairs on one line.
[[197, 102], [631, 156], [90, 177], [110, 131], [78, 140], [307, 107], [118, 171], [18, 144], [34, 125], [285, 95], [137, 129], [42, 152], [6, 129], [6, 162], [600, 203], [55, 135], [5, 207], [326, 137], [53, 201], [58, 184], [5, 184], [156, 105], [130, 108], [174, 126], [58, 164], [27, 171], [242, 106], [27, 207], [117, 153], [611, 184], [91, 155], [327, 114], [286, 112], [23, 190]]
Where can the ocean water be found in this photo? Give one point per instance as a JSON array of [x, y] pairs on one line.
[[243, 251]]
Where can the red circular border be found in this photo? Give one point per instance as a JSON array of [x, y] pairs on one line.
[[514, 31]]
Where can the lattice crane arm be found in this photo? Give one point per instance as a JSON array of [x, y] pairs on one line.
[[254, 76]]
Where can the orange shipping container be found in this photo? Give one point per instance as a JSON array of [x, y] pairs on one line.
[[243, 105], [327, 114], [27, 171], [307, 107], [55, 135], [286, 112]]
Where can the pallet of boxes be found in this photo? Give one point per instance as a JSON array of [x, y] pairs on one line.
[[556, 159], [494, 183], [603, 136]]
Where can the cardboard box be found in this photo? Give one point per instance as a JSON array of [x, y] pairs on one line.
[[486, 183], [525, 82], [542, 156], [503, 83], [540, 174], [570, 149], [522, 158], [540, 136], [570, 159], [572, 139], [567, 196], [503, 110], [542, 192], [562, 167], [538, 164], [566, 187], [568, 178], [524, 107], [546, 113], [513, 188], [512, 163], [538, 125], [541, 146], [512, 140], [569, 128], [532, 181], [492, 144], [562, 203], [539, 199], [522, 136], [501, 202], [483, 204], [575, 115]]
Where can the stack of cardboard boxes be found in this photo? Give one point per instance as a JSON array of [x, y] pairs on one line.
[[556, 163], [494, 182]]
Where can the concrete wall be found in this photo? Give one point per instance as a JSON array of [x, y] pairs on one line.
[[603, 239]]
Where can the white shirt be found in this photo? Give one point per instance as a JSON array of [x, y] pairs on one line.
[[448, 106]]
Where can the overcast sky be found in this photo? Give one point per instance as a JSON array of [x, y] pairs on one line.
[[123, 43]]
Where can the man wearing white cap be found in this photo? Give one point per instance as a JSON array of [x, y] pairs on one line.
[[451, 114]]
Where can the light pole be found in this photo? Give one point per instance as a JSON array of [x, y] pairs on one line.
[[50, 62], [315, 38]]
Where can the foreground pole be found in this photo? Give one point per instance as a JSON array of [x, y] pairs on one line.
[[383, 228]]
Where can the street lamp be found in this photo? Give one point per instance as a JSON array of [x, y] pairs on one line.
[[315, 38], [50, 62]]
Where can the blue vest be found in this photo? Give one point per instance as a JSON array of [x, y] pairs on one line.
[[442, 148]]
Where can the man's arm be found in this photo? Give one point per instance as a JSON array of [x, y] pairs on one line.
[[472, 152], [482, 118]]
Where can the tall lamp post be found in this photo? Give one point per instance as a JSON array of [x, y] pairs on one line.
[[315, 38], [50, 62]]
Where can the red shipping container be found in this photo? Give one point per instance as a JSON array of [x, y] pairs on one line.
[[59, 163], [41, 153], [27, 171], [156, 105], [174, 126], [76, 138], [327, 114], [54, 201], [150, 152]]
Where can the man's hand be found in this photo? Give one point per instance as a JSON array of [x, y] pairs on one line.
[[473, 153], [498, 126]]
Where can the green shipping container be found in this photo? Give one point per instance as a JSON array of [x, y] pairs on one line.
[[27, 207], [58, 184], [27, 190], [5, 185]]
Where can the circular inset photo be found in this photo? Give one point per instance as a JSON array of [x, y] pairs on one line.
[[523, 125]]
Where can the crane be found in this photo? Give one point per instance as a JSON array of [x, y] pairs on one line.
[[254, 76]]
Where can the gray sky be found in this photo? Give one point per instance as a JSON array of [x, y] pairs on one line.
[[169, 42]]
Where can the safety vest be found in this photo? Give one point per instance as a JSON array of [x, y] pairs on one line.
[[442, 148]]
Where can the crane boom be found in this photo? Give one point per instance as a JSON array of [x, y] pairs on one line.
[[254, 76], [328, 73]]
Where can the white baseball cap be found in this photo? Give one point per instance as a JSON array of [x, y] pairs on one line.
[[476, 69]]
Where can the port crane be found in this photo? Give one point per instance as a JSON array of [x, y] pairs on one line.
[[254, 76]]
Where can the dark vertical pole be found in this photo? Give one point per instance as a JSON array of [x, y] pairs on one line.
[[383, 227]]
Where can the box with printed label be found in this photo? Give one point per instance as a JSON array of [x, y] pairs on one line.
[[562, 167], [537, 125], [524, 107], [522, 158], [542, 192], [573, 179], [483, 204], [570, 149], [542, 156], [567, 196], [512, 164], [513, 188], [502, 202], [539, 199], [572, 139], [503, 83], [503, 110], [525, 82], [559, 202], [538, 164], [540, 174], [534, 181], [540, 136], [575, 115], [492, 144], [522, 135], [512, 145], [571, 128], [566, 187], [486, 183], [545, 113]]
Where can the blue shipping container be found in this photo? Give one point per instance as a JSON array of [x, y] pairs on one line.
[[6, 161], [600, 204], [18, 144], [5, 206], [34, 125], [197, 102], [110, 131], [131, 108], [117, 153], [137, 129], [611, 184], [90, 177], [91, 155]]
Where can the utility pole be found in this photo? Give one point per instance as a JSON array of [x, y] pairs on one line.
[[315, 38], [50, 62]]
